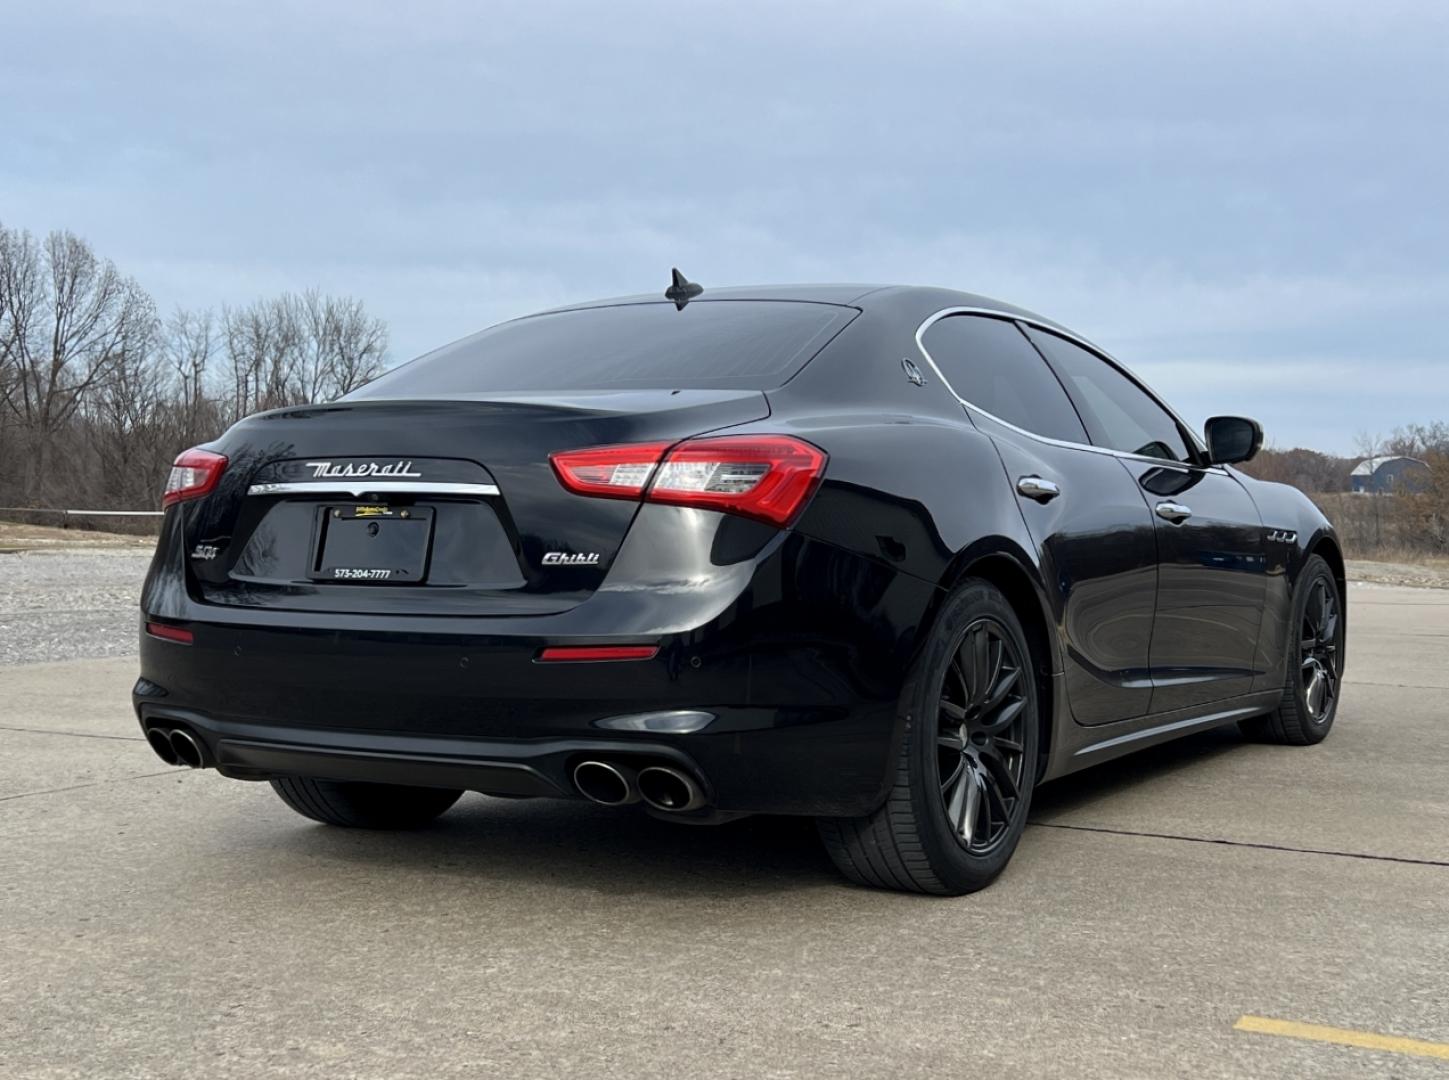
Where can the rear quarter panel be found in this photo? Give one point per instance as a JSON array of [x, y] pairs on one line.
[[911, 484]]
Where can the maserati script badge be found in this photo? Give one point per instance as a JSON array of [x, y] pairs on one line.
[[326, 470]]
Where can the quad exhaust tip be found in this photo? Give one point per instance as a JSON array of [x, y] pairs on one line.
[[661, 787], [606, 784], [669, 790], [188, 749], [161, 743], [177, 746]]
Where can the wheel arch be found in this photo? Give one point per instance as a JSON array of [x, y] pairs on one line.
[[1007, 568], [1325, 546]]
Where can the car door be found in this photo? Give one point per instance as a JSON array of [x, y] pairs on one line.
[[1211, 584], [1093, 533]]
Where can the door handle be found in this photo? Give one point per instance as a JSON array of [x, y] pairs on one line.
[[1034, 487], [1173, 512]]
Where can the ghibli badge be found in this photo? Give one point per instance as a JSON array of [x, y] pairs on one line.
[[564, 558]]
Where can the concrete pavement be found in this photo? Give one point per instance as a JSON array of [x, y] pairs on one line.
[[155, 922]]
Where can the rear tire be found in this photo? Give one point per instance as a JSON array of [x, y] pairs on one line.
[[966, 766], [1305, 712], [363, 806]]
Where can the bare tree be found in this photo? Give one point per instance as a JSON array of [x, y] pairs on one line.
[[189, 343], [133, 429], [97, 395], [261, 343], [1306, 469], [1417, 440], [356, 345], [295, 349], [67, 321], [21, 298]]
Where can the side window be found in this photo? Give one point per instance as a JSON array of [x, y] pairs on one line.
[[1118, 413], [990, 364]]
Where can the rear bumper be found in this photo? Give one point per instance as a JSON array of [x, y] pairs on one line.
[[801, 675], [251, 751], [739, 774]]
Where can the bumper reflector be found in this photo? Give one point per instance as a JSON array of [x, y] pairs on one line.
[[590, 654], [169, 633], [672, 722]]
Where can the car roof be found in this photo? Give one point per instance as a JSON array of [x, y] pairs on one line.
[[864, 296]]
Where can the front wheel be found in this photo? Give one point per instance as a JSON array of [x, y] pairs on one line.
[[363, 806], [967, 764], [1310, 688]]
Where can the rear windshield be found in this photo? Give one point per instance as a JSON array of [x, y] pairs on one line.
[[721, 344]]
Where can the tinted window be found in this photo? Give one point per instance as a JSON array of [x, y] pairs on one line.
[[992, 366], [724, 344], [1118, 413]]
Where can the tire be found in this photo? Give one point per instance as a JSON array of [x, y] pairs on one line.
[[911, 843], [363, 806], [1304, 716]]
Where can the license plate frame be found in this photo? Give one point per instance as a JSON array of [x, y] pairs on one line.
[[372, 544]]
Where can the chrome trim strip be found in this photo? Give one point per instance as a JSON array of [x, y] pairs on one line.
[[1084, 343], [1216, 719], [363, 486]]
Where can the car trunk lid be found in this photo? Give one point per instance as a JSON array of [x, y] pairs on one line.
[[429, 506]]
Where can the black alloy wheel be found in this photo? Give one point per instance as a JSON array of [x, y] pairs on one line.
[[981, 742], [968, 758], [1318, 650]]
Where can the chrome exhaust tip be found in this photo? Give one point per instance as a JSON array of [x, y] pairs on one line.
[[161, 743], [669, 789], [606, 784], [188, 749]]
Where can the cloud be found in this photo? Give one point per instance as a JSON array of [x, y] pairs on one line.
[[1236, 198]]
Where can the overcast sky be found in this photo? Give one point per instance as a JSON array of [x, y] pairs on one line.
[[1248, 203]]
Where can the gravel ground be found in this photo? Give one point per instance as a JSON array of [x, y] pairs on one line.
[[64, 605], [1429, 575], [16, 535]]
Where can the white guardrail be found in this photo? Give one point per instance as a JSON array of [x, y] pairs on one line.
[[80, 513]]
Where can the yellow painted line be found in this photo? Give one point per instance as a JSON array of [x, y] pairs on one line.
[[1367, 1040]]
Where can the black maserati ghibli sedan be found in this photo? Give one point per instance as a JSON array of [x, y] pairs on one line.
[[888, 557]]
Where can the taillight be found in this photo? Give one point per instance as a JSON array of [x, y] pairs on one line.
[[195, 473], [613, 472], [766, 477]]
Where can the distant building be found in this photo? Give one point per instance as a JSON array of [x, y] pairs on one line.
[[1387, 475]]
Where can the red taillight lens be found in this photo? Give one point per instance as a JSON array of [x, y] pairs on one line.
[[587, 654], [613, 472], [194, 473], [170, 633], [767, 477]]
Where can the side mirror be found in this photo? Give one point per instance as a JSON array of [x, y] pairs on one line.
[[1231, 439]]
